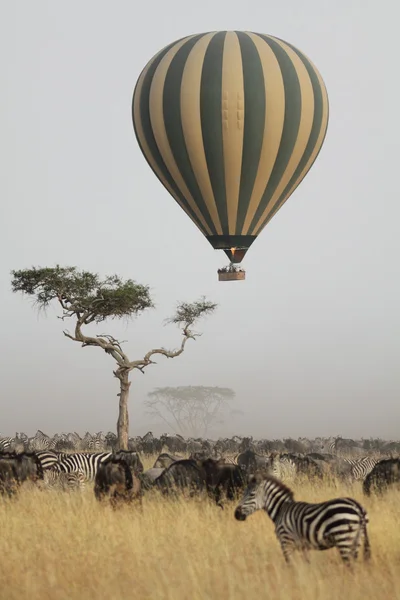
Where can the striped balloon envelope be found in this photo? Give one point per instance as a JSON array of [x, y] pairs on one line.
[[230, 122]]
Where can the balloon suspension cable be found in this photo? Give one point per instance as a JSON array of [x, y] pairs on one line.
[[233, 272]]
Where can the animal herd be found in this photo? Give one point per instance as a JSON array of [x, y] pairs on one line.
[[259, 475]]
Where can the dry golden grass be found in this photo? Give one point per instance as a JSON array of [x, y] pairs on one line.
[[59, 546]]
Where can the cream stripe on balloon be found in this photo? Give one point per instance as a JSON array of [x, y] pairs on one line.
[[232, 123], [160, 134], [306, 121], [273, 125], [142, 139], [191, 124], [318, 143]]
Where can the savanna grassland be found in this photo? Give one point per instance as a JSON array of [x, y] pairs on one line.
[[65, 546]]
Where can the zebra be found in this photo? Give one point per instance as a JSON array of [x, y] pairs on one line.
[[283, 467], [40, 441], [230, 459], [340, 523], [287, 467], [96, 443], [361, 467], [81, 461], [66, 481], [48, 458], [6, 444], [88, 463]]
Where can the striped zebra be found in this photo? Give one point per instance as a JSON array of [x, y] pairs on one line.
[[65, 481], [231, 459], [6, 444], [88, 462], [361, 467], [340, 523], [48, 458], [96, 443], [40, 441], [85, 462], [283, 467]]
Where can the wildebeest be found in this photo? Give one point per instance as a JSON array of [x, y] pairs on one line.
[[209, 475], [17, 468], [148, 477], [384, 474], [115, 480], [8, 482], [166, 459], [223, 479], [252, 462], [182, 474], [174, 443], [132, 459]]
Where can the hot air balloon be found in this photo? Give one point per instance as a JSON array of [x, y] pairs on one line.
[[230, 122]]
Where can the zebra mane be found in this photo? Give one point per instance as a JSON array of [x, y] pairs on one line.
[[278, 484]]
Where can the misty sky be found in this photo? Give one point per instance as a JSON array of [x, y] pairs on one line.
[[310, 341]]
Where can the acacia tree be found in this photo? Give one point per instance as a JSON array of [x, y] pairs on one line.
[[190, 410], [86, 298]]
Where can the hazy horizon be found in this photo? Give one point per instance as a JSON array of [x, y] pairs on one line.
[[310, 340]]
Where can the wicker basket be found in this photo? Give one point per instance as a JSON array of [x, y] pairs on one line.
[[231, 276]]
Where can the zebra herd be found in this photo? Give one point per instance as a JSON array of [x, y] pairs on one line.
[[262, 478], [150, 444], [286, 466], [74, 470]]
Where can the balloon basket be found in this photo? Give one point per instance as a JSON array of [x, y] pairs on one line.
[[231, 275]]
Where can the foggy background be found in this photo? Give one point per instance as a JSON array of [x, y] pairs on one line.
[[310, 341]]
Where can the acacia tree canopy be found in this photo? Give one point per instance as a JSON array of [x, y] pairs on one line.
[[82, 293], [190, 410], [86, 298]]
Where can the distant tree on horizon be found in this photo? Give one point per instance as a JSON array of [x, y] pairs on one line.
[[190, 410], [86, 298]]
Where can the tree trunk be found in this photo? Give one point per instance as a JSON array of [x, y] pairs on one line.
[[123, 416]]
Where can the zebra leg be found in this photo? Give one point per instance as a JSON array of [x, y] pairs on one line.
[[346, 551], [367, 545], [287, 548]]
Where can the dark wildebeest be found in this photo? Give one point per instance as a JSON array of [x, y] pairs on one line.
[[148, 477], [115, 480], [319, 456], [17, 468], [252, 462], [165, 460], [209, 475], [132, 459], [223, 479], [182, 474], [174, 443], [8, 482], [384, 474]]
